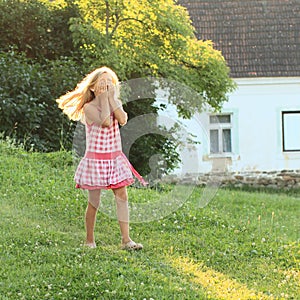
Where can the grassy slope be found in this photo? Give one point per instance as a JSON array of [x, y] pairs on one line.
[[242, 245]]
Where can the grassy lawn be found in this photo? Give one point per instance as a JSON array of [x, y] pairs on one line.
[[242, 245]]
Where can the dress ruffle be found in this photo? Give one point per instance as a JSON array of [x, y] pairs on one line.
[[107, 173], [112, 186]]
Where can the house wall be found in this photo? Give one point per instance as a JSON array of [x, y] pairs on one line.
[[257, 107], [257, 147]]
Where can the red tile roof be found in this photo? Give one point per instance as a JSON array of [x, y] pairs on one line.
[[257, 38]]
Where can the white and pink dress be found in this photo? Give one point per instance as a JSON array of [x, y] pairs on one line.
[[104, 165]]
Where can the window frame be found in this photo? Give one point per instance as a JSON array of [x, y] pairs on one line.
[[283, 113], [220, 127]]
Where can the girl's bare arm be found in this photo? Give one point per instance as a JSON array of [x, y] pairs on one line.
[[99, 117], [116, 107]]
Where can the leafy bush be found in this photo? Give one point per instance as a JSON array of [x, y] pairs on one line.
[[27, 101], [30, 114], [91, 34]]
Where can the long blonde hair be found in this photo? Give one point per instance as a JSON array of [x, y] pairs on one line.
[[72, 102]]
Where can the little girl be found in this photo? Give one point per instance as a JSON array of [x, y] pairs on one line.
[[104, 166]]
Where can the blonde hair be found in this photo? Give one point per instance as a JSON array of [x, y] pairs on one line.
[[72, 102]]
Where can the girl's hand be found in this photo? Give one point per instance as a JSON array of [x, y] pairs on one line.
[[101, 87], [116, 106], [112, 98]]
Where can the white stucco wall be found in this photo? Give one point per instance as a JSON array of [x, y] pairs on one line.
[[256, 107]]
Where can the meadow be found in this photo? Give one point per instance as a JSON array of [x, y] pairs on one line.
[[242, 245]]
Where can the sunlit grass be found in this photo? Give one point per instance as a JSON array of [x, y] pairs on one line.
[[216, 284], [242, 245]]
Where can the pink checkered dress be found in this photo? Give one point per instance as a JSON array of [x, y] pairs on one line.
[[104, 165]]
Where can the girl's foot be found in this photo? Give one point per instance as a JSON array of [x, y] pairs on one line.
[[90, 245], [131, 245]]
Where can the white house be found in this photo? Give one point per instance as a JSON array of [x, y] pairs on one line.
[[256, 137], [257, 130]]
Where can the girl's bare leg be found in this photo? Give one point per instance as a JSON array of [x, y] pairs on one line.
[[122, 212], [90, 215]]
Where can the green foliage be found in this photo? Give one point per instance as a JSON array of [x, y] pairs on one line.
[[60, 41], [27, 107], [35, 29], [139, 38], [242, 243], [151, 148]]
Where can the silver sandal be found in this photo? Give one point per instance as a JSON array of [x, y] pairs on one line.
[[90, 245], [132, 246]]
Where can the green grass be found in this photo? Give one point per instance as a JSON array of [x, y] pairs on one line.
[[242, 245]]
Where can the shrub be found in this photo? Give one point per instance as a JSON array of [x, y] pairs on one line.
[[27, 101]]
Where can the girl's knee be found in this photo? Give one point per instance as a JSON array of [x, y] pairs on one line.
[[94, 198], [95, 203], [121, 194]]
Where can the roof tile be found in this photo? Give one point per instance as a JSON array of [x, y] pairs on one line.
[[258, 38]]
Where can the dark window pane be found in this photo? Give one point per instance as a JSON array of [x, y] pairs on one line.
[[223, 119], [226, 140], [214, 141], [291, 131]]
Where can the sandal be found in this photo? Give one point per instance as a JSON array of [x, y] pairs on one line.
[[131, 245], [90, 245]]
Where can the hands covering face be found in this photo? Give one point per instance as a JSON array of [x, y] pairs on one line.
[[104, 84]]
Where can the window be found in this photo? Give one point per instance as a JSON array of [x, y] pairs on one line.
[[220, 133], [291, 130]]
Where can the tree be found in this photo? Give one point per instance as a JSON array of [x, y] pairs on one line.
[[140, 38], [136, 38], [38, 29], [152, 38]]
